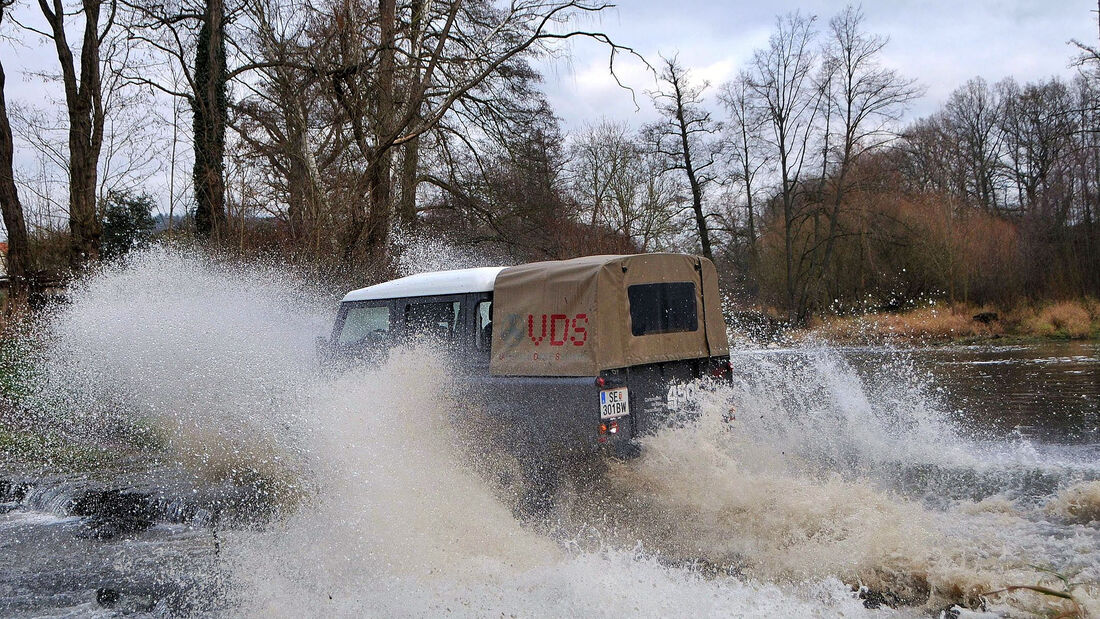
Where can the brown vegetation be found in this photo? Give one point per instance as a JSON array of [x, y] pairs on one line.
[[943, 323]]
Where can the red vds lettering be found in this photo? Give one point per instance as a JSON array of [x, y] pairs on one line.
[[531, 329], [580, 331], [562, 329], [554, 320]]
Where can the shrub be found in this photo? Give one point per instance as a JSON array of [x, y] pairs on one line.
[[127, 224], [1093, 307], [1066, 319]]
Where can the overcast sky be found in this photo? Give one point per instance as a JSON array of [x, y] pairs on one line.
[[941, 43]]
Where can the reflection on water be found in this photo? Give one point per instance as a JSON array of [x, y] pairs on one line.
[[1046, 392]]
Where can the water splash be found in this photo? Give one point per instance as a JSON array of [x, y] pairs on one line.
[[828, 479], [417, 253], [405, 527], [212, 361]]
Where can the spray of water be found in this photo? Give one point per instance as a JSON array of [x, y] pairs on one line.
[[824, 482], [404, 526], [730, 497], [212, 362], [417, 253]]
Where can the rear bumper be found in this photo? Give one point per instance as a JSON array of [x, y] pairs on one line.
[[622, 450]]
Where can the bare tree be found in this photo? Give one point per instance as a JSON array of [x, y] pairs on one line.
[[186, 49], [619, 188], [602, 170], [866, 99], [746, 154], [782, 82], [18, 255], [84, 107], [210, 106], [392, 75], [972, 114], [1036, 129], [280, 119], [659, 204], [685, 137], [1090, 54]]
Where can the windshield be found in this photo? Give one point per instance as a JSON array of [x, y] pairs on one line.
[[364, 324]]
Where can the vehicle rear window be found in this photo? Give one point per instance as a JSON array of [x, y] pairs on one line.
[[662, 308]]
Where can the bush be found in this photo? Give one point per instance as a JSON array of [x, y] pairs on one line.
[[924, 325], [1093, 307], [127, 224], [19, 370], [1064, 319]]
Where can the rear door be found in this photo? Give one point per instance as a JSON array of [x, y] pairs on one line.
[[658, 390]]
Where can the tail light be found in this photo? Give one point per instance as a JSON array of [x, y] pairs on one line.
[[600, 382], [607, 428], [723, 368]]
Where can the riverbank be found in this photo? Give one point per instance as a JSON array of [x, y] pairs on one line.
[[962, 324]]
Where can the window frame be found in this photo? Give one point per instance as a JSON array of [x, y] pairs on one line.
[[475, 331], [397, 315]]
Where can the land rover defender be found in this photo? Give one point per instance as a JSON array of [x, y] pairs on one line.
[[574, 356]]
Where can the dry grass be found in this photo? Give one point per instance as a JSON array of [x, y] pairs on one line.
[[1092, 306], [1064, 319], [923, 324]]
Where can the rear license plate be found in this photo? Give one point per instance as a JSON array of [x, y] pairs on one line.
[[614, 403]]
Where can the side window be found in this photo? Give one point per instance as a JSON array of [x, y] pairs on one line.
[[662, 308], [365, 324], [483, 315], [438, 320]]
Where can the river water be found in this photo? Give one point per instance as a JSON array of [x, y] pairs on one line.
[[852, 481]]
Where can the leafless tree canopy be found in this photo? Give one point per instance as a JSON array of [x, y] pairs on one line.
[[330, 132]]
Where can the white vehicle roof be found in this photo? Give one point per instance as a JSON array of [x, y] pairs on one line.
[[459, 281]]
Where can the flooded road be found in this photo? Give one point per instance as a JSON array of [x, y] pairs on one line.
[[855, 482]]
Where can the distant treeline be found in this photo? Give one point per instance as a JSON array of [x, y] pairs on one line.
[[315, 130]]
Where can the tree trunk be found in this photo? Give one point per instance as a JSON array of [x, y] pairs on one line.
[[84, 105], [18, 256], [693, 179], [380, 165], [410, 165], [83, 218], [410, 151], [210, 108]]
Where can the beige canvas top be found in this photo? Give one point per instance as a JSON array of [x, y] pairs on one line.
[[572, 317]]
